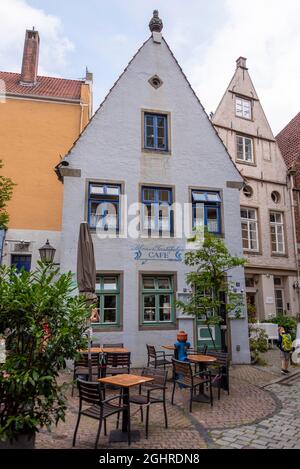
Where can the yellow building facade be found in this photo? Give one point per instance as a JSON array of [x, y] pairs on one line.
[[40, 118]]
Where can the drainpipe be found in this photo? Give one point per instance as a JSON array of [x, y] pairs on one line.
[[2, 239], [290, 185]]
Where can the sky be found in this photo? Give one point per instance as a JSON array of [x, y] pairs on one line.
[[206, 37]]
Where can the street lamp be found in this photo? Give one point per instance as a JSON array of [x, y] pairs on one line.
[[47, 253]]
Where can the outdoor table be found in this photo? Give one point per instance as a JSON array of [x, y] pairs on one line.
[[173, 348], [92, 350], [202, 361], [114, 350], [125, 382]]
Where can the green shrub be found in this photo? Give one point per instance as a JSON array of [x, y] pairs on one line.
[[43, 323], [258, 343], [286, 322]]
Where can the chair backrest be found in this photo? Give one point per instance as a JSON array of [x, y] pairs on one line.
[[84, 362], [90, 392], [113, 345], [96, 344], [182, 372], [118, 360], [151, 351], [204, 350], [160, 376], [222, 357]]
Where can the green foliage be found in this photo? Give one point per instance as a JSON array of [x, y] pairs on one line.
[[287, 322], [43, 323], [258, 343], [6, 190], [211, 291]]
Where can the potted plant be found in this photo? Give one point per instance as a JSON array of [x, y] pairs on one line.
[[43, 323], [258, 344]]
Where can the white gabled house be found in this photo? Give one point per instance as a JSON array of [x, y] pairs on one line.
[[152, 142]]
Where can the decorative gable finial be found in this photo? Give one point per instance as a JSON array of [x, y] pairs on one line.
[[156, 24]]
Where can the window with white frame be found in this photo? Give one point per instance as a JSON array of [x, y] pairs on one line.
[[250, 229], [277, 232], [244, 149], [243, 108], [104, 206]]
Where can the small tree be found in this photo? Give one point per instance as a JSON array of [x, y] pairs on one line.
[[6, 190], [43, 323], [211, 290]]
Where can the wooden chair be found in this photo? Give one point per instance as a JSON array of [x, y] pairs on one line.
[[220, 371], [152, 393], [87, 367], [184, 377], [202, 351], [157, 359], [117, 363], [113, 345], [99, 408]]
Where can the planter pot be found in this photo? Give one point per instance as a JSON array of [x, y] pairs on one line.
[[23, 441]]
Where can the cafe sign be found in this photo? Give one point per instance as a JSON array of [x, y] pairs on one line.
[[158, 253]]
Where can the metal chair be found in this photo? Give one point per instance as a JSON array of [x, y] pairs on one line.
[[87, 367], [113, 345], [147, 395], [202, 351], [184, 377], [157, 358], [117, 363], [99, 408], [220, 371]]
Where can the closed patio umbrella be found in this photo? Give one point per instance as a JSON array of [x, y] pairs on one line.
[[86, 267]]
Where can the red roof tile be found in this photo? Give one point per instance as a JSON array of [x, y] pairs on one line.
[[289, 142], [50, 87]]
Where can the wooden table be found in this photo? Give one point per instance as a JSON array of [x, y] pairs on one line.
[[125, 382], [115, 350], [105, 350], [173, 348], [202, 361]]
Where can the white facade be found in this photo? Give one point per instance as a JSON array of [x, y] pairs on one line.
[[271, 271], [111, 150]]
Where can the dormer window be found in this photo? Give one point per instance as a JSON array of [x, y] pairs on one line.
[[243, 108]]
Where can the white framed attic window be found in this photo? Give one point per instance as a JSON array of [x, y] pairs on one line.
[[243, 108]]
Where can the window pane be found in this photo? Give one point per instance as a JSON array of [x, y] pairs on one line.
[[111, 215], [164, 308], [163, 283], [110, 301], [149, 195], [110, 309], [248, 149], [199, 197], [96, 214], [112, 190], [163, 195], [149, 217], [212, 220], [149, 308], [110, 283], [149, 120], [148, 283], [96, 189], [164, 218], [240, 148]]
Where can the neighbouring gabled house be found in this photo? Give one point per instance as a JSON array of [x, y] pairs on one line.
[[289, 143], [266, 207], [151, 143], [40, 118]]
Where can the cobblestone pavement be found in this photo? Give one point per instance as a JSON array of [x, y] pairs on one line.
[[257, 413], [279, 431]]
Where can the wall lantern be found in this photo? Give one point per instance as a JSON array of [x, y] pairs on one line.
[[296, 285], [47, 253]]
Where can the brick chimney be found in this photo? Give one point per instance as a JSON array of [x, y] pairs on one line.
[[30, 58]]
